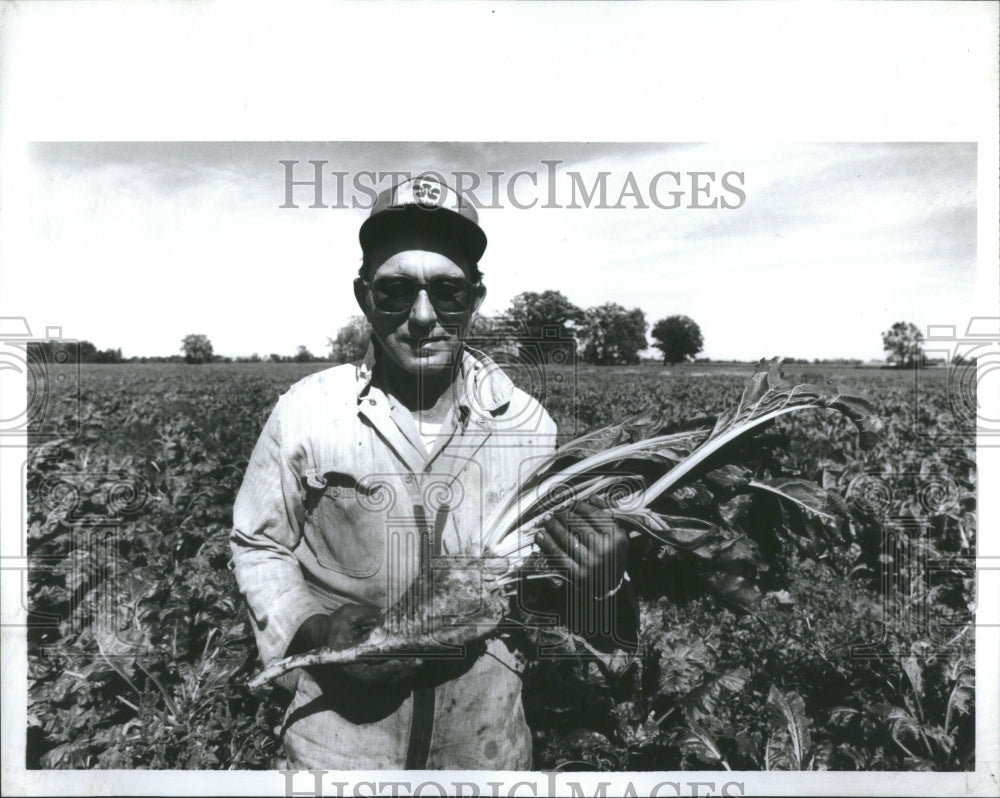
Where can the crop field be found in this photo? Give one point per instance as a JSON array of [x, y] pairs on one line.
[[858, 657]]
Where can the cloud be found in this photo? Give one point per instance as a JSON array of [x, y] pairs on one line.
[[137, 244]]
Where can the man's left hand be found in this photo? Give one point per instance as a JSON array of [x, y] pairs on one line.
[[586, 546]]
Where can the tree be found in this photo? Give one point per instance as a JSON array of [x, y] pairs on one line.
[[613, 335], [544, 324], [902, 341], [488, 326], [197, 349], [493, 335], [535, 312], [303, 355], [678, 338], [56, 351], [107, 356], [351, 342]]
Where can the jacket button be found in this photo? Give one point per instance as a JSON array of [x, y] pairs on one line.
[[371, 401]]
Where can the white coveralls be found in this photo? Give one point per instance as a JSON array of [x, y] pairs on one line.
[[326, 515]]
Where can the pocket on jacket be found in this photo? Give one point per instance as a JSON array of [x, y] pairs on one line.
[[340, 527]]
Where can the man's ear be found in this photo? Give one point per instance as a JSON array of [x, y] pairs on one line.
[[361, 295], [480, 295]]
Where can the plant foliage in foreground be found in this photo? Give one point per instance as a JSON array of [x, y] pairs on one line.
[[832, 668], [635, 470]]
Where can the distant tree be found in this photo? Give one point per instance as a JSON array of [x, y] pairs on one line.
[[85, 350], [493, 335], [544, 323], [612, 335], [351, 342], [303, 355], [157, 359], [58, 351], [486, 326], [107, 356], [197, 349], [536, 311], [678, 338], [902, 341]]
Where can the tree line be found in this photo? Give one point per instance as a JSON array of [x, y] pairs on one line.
[[540, 325], [547, 325], [195, 349]]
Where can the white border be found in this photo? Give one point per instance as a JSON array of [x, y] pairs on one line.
[[762, 71]]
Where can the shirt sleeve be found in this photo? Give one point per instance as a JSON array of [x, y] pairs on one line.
[[267, 527]]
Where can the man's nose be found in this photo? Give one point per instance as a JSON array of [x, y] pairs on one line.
[[423, 311]]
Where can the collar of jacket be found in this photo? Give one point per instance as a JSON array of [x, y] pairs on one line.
[[484, 389]]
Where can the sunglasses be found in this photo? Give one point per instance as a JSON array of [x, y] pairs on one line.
[[396, 294]]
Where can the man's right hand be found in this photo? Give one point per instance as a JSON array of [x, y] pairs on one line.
[[345, 627]]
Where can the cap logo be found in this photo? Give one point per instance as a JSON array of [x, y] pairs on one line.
[[426, 192]]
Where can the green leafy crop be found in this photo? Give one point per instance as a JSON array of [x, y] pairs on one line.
[[853, 649]]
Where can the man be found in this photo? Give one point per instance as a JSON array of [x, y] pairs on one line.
[[362, 472]]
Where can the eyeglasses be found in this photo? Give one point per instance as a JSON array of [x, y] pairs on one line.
[[396, 294]]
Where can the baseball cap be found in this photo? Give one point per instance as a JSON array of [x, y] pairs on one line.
[[423, 203]]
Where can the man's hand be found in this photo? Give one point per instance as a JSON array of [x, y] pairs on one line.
[[587, 547], [345, 627]]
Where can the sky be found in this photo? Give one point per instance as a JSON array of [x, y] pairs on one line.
[[823, 245]]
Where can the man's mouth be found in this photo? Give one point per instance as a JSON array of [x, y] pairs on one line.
[[424, 343]]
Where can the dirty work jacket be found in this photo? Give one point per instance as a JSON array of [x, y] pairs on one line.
[[331, 509]]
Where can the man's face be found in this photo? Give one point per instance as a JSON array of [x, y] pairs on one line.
[[420, 340]]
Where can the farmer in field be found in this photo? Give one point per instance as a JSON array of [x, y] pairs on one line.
[[364, 471]]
